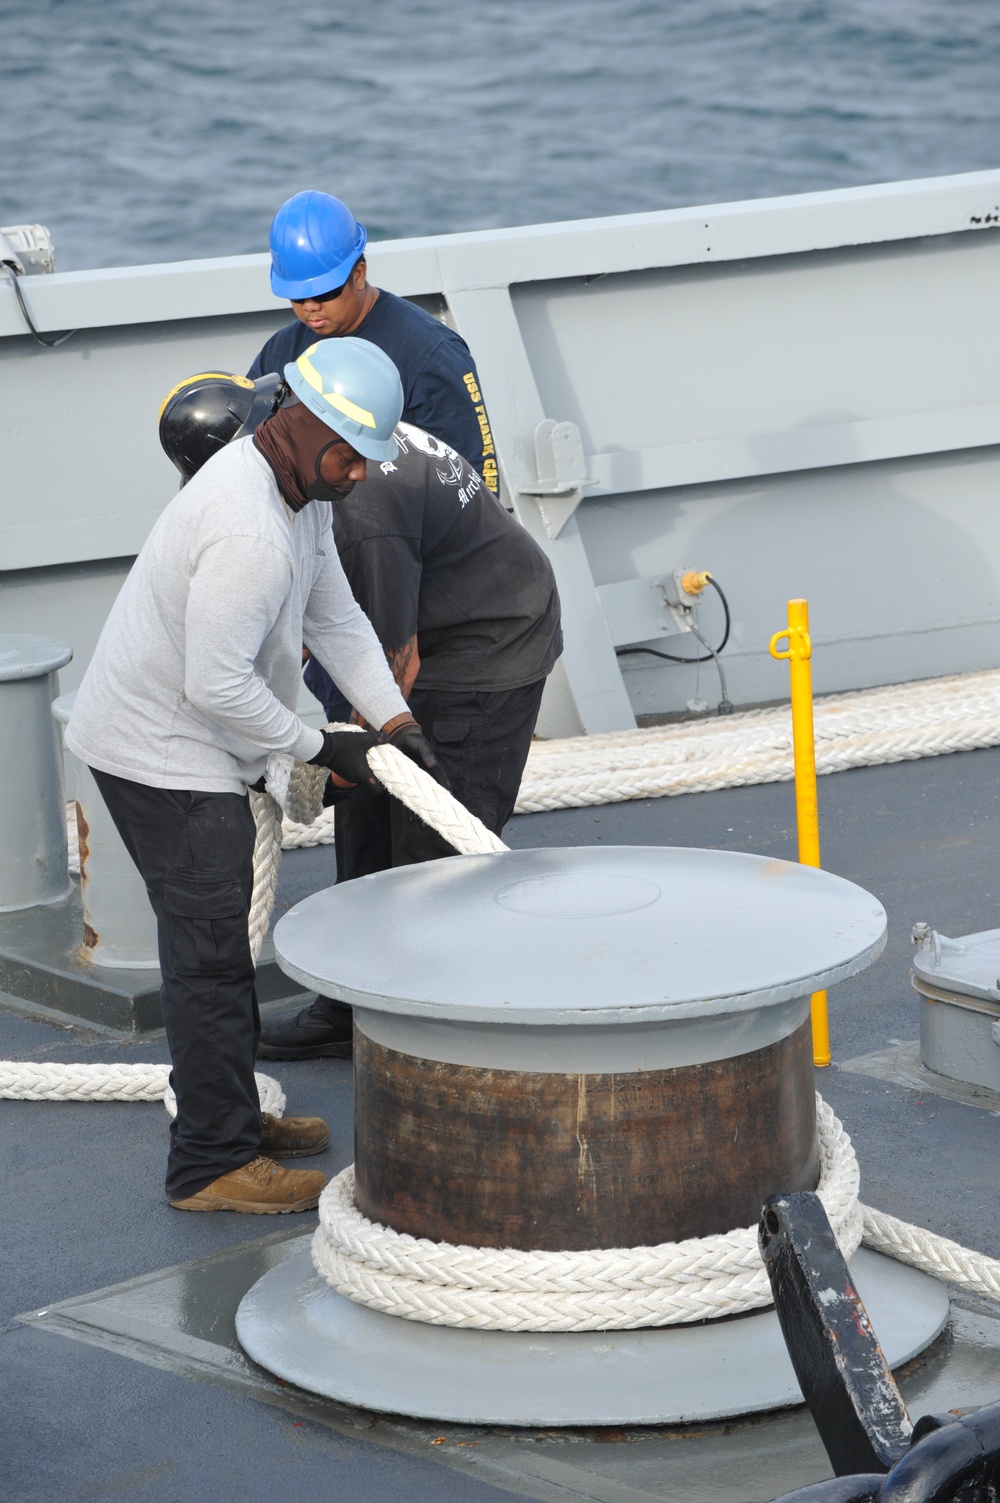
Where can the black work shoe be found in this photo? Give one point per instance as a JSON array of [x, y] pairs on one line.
[[323, 1031]]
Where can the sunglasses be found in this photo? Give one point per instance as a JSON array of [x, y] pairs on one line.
[[320, 297]]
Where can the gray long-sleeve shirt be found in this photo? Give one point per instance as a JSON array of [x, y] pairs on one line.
[[196, 674]]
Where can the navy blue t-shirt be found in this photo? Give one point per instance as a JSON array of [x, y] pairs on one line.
[[440, 386]]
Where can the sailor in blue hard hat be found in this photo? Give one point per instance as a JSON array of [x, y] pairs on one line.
[[318, 263]]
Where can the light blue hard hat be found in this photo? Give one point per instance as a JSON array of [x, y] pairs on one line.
[[354, 388], [315, 241]]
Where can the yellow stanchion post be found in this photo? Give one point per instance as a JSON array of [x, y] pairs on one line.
[[798, 655]]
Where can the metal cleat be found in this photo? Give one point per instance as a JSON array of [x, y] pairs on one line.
[[844, 1377], [838, 1362]]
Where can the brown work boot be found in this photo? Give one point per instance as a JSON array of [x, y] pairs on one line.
[[262, 1187], [292, 1137]]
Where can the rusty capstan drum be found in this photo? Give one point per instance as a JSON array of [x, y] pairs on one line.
[[569, 1049]]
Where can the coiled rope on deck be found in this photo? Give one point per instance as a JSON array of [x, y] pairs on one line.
[[897, 723]]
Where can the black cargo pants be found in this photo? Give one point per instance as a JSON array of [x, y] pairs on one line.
[[481, 740], [194, 851]]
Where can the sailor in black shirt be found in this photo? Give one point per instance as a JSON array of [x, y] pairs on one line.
[[465, 604]]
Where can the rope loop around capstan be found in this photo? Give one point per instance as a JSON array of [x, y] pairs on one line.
[[616, 1289]]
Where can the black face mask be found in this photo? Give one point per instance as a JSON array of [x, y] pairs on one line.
[[320, 489]]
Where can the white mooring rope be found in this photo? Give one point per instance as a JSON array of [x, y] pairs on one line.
[[606, 1289], [23, 1080], [929, 718]]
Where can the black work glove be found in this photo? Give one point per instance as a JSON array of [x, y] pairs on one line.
[[411, 741], [344, 752]]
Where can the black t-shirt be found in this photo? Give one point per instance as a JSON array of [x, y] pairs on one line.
[[429, 551], [440, 386]]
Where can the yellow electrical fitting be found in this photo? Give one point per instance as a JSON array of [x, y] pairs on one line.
[[693, 582]]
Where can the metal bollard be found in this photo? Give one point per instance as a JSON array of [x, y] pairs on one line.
[[119, 926], [32, 817]]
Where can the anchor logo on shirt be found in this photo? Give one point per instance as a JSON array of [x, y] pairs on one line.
[[453, 475]]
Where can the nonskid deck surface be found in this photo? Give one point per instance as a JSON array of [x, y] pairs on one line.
[[90, 1242]]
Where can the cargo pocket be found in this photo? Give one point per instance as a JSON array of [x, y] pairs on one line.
[[450, 732], [451, 742], [206, 920]]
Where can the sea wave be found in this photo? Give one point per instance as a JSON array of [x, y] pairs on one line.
[[142, 133]]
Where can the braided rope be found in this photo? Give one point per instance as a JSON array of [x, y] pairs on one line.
[[928, 718], [24, 1080], [617, 1289], [946, 1260], [432, 803], [296, 835], [266, 864]]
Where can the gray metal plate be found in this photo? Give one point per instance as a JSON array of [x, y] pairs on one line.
[[296, 1327], [619, 934], [24, 656], [969, 964]]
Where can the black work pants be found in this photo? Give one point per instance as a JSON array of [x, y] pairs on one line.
[[194, 851], [482, 741]]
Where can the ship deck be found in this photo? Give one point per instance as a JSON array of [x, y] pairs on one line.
[[120, 1371]]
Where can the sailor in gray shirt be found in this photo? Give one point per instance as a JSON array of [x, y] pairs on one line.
[[192, 686]]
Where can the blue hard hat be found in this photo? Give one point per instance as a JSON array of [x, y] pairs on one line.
[[354, 388], [315, 241]]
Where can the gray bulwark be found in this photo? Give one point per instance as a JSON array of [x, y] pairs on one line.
[[654, 404], [662, 956]]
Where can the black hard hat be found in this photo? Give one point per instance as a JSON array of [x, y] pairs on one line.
[[204, 413]]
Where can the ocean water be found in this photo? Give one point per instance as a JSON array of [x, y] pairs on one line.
[[141, 132]]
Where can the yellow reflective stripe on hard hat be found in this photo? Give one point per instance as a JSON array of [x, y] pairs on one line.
[[350, 409], [202, 376], [335, 398], [309, 371]]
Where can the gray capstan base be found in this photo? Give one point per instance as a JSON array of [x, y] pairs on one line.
[[296, 1327], [43, 963]]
